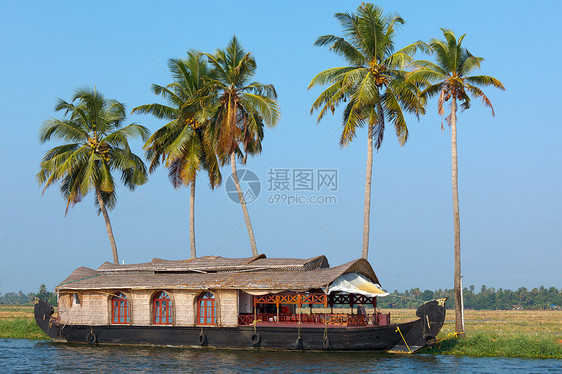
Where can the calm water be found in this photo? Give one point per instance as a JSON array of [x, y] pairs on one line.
[[18, 355]]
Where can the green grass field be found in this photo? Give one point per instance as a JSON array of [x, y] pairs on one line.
[[518, 333], [16, 321], [502, 322], [515, 333]]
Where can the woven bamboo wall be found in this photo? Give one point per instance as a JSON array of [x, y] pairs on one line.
[[185, 307], [139, 304], [228, 313], [95, 307], [92, 310]]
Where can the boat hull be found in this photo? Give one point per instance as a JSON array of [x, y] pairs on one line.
[[405, 337]]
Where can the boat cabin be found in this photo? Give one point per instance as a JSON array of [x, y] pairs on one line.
[[215, 291]]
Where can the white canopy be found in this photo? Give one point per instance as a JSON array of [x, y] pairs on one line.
[[356, 283]]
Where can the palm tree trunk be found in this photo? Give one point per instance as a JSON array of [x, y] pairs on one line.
[[367, 206], [456, 219], [243, 204], [192, 219], [108, 227]]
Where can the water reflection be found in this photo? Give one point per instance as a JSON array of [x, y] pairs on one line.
[[43, 356]]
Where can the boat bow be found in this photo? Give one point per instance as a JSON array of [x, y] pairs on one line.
[[424, 331]]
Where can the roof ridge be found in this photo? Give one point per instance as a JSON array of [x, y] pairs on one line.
[[261, 255]]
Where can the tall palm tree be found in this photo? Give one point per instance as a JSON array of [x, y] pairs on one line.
[[183, 144], [244, 108], [373, 85], [450, 79], [95, 146]]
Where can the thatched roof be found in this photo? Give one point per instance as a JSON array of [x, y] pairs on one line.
[[254, 273], [219, 264]]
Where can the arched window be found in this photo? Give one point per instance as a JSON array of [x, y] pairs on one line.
[[206, 309], [120, 309], [162, 309]]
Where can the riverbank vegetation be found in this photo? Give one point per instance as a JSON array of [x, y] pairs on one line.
[[17, 322], [514, 333], [21, 328], [21, 299], [491, 345], [488, 298]]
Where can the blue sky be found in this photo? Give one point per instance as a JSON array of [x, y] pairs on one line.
[[509, 165]]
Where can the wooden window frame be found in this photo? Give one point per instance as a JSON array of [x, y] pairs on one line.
[[123, 311], [168, 318], [75, 299], [209, 311]]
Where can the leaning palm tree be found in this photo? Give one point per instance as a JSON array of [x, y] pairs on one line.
[[95, 146], [183, 144], [373, 85], [450, 79], [244, 108]]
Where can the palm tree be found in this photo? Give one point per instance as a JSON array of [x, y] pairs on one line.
[[373, 85], [95, 145], [449, 78], [183, 143], [244, 108]]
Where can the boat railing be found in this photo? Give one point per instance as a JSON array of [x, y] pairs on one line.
[[337, 319]]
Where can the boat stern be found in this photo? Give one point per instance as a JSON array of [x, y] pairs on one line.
[[44, 318]]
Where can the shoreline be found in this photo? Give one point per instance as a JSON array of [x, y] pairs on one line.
[[480, 344]]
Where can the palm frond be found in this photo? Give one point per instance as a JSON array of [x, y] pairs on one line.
[[441, 51], [179, 147], [62, 129], [376, 116], [266, 108], [64, 164], [341, 47], [104, 178], [423, 77], [59, 162], [395, 115], [135, 174], [477, 92], [329, 99], [440, 102], [157, 110], [109, 200], [121, 136], [468, 63], [169, 93], [430, 66], [432, 90], [331, 75], [267, 90], [484, 80], [413, 48]]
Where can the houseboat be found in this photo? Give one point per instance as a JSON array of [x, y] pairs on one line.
[[241, 303]]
